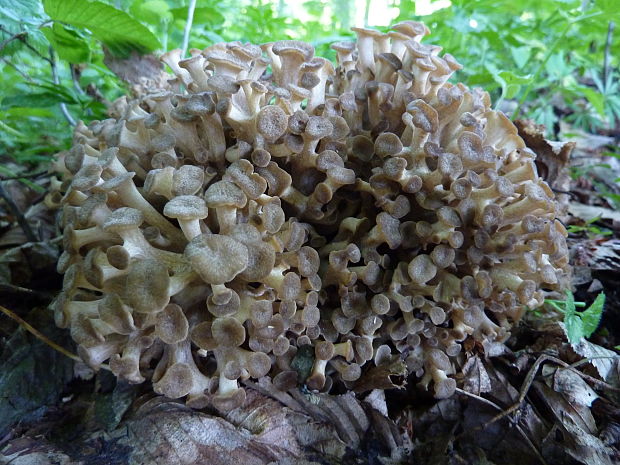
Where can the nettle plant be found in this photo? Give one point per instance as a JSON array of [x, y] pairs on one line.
[[263, 205]]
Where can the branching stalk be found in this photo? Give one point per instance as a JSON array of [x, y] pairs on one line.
[[63, 106], [188, 26]]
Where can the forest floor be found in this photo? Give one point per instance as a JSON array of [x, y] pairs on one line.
[[539, 399]]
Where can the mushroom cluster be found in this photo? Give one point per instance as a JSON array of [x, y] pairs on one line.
[[268, 206]]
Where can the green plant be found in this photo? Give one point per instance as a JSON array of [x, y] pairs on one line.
[[579, 324], [591, 230]]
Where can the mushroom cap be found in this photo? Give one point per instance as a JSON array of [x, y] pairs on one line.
[[422, 269], [216, 258], [225, 194], [176, 382], [172, 326], [228, 332], [186, 207], [147, 286], [303, 49], [261, 256], [123, 219], [271, 122]]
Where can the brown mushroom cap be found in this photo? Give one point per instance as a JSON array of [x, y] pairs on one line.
[[147, 286], [271, 122]]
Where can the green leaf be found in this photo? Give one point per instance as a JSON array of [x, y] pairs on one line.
[[21, 11], [116, 29], [591, 317], [513, 82], [596, 99], [152, 12], [521, 55], [570, 302], [573, 326], [34, 100], [63, 92], [512, 78], [202, 15], [69, 44]]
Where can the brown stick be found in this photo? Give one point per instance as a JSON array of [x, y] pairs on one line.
[[39, 335]]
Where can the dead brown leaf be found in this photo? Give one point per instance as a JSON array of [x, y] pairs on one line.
[[389, 375], [139, 70], [552, 157], [475, 377]]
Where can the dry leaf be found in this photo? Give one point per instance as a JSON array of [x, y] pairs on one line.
[[573, 387], [502, 392], [604, 360], [138, 70], [588, 212], [573, 445], [390, 375], [163, 432], [475, 376], [564, 411], [551, 157]]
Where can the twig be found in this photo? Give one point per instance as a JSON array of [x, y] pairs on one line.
[[76, 80], [188, 26], [24, 324], [22, 37], [19, 71], [497, 407], [17, 36], [610, 33], [591, 379], [525, 387], [25, 290], [529, 379], [21, 220], [63, 107], [479, 398]]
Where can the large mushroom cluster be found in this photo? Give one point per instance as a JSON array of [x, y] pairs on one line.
[[268, 205]]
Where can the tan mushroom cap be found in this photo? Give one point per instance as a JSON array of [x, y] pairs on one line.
[[216, 258], [224, 194], [122, 219], [147, 286], [172, 326], [305, 50], [186, 207]]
